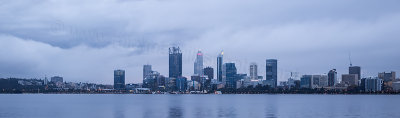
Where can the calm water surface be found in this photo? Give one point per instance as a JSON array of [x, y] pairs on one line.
[[198, 106]]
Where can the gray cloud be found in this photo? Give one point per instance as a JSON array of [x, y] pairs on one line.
[[86, 40]]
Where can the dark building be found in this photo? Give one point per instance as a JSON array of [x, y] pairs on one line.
[[209, 72], [230, 73], [195, 78], [56, 79], [306, 81], [175, 62], [181, 84], [355, 70], [219, 66], [271, 72], [119, 79], [332, 77]]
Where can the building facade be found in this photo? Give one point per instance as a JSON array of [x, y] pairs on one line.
[[387, 76], [372, 84], [332, 77], [198, 64], [253, 71], [229, 73], [119, 79], [355, 70], [175, 62], [219, 66], [146, 71], [271, 72], [350, 79], [208, 71]]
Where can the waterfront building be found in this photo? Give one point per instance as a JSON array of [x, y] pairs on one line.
[[396, 86], [320, 81], [350, 79], [175, 62], [208, 71], [181, 84], [253, 71], [119, 79], [332, 77], [306, 81], [198, 64], [229, 72], [146, 71], [387, 76], [355, 70], [271, 72], [372, 84], [219, 66]]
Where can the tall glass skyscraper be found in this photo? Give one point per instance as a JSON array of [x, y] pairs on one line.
[[271, 72], [219, 66], [198, 64], [230, 73], [332, 77], [119, 79], [175, 62]]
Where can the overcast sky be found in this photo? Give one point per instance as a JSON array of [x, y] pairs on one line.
[[85, 40]]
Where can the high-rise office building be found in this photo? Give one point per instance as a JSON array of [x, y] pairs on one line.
[[386, 77], [271, 72], [198, 64], [355, 70], [219, 66], [119, 79], [350, 79], [146, 71], [208, 71], [175, 62], [253, 71], [229, 72], [332, 77]]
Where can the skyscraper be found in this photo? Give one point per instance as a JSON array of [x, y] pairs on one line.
[[198, 64], [219, 66], [253, 71], [208, 71], [229, 72], [332, 77], [175, 62], [146, 71], [119, 79], [355, 70], [271, 72]]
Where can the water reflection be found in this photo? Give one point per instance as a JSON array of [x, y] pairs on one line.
[[175, 107], [229, 112]]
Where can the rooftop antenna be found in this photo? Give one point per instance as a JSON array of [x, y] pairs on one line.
[[350, 59]]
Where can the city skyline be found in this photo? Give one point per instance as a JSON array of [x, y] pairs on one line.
[[85, 42]]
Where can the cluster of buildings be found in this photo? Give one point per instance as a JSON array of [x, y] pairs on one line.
[[227, 77], [202, 79]]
